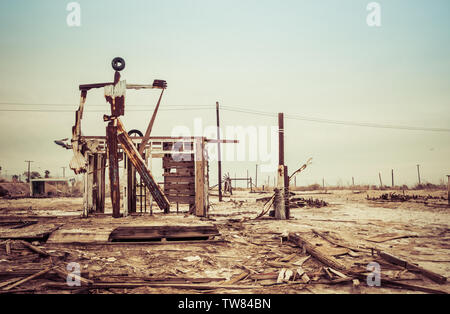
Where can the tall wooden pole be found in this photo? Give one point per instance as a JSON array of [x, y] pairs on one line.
[[418, 173], [112, 143], [219, 161], [247, 178], [256, 176], [29, 173], [280, 139], [392, 174], [282, 203], [448, 190], [381, 182]]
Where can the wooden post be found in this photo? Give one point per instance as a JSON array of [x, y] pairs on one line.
[[392, 174], [280, 139], [148, 154], [448, 189], [256, 176], [381, 182], [101, 163], [219, 161], [95, 185], [131, 186], [126, 193], [111, 137], [247, 179], [281, 205], [90, 182], [418, 173], [85, 195], [200, 209], [323, 183], [353, 183]]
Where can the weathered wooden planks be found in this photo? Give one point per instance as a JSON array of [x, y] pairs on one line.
[[200, 197], [179, 177], [160, 232]]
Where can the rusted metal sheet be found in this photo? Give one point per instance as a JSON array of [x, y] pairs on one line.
[[139, 164]]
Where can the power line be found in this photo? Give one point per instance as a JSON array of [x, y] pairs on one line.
[[89, 105], [72, 111], [340, 122], [233, 109]]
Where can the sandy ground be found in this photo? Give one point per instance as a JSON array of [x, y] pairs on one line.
[[252, 246]]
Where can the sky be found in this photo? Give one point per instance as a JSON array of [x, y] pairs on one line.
[[316, 59]]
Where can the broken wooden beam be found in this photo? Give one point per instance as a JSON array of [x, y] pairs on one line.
[[137, 161], [412, 267], [311, 249], [33, 248], [36, 275], [65, 275], [336, 242]]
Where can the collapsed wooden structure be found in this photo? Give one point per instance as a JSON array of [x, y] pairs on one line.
[[185, 160]]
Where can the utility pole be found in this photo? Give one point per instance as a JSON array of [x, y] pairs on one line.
[[418, 173], [282, 205], [392, 173], [64, 171], [219, 161], [448, 189], [256, 176], [381, 182], [29, 162], [353, 182], [323, 183]]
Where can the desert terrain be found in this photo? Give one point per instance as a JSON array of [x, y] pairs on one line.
[[248, 256]]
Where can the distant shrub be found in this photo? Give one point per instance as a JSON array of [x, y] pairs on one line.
[[428, 186]]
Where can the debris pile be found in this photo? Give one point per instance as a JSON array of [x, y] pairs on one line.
[[396, 197], [297, 202]]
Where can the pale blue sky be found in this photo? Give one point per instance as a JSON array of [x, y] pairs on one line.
[[313, 58]]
